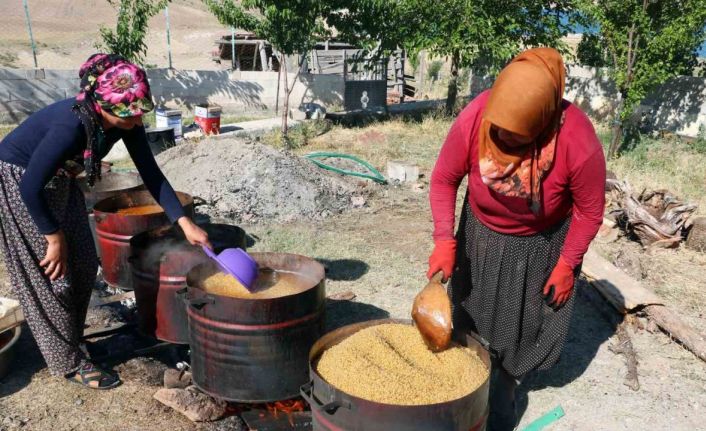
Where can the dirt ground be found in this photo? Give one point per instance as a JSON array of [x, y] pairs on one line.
[[379, 252], [383, 262]]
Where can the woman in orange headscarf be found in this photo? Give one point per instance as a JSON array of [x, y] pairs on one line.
[[536, 178]]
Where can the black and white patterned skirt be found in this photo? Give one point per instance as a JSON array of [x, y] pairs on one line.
[[496, 291], [55, 310]]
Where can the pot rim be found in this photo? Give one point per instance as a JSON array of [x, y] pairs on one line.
[[324, 343], [13, 340], [320, 276]]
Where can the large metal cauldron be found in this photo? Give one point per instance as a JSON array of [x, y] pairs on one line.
[[111, 184], [255, 350], [115, 230], [334, 410], [160, 260]]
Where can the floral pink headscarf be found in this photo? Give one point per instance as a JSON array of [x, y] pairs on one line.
[[116, 85], [111, 84]]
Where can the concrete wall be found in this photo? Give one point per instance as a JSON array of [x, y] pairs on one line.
[[24, 91], [678, 105]]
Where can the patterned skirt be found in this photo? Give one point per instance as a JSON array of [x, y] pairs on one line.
[[55, 311], [496, 291]]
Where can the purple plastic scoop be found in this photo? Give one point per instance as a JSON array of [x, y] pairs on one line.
[[238, 263]]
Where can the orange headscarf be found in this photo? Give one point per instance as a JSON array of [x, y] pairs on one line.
[[525, 99]]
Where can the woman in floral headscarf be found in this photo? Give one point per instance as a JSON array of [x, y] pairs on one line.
[[46, 241], [536, 179]]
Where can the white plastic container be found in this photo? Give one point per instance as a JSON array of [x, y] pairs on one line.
[[10, 314], [169, 118]]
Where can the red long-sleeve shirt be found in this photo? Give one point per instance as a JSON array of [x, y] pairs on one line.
[[574, 186]]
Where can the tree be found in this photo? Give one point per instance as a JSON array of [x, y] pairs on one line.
[[128, 38], [590, 51], [479, 34], [291, 26], [648, 42]]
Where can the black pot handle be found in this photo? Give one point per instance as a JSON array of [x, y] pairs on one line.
[[307, 392], [199, 303], [484, 343]]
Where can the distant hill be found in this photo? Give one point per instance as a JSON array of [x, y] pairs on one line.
[[66, 32]]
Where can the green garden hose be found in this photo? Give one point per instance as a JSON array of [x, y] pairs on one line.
[[375, 175]]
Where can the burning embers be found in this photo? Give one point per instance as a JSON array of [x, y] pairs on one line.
[[279, 415]]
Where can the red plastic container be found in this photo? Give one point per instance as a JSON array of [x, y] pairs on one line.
[[208, 117]]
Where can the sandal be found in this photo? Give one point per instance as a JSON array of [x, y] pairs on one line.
[[94, 377]]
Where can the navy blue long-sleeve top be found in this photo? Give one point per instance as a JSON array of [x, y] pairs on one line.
[[54, 135]]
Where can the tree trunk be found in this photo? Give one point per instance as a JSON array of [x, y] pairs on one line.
[[279, 80], [453, 85], [285, 111], [617, 137], [617, 128]]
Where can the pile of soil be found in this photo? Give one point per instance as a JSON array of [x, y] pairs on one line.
[[246, 181]]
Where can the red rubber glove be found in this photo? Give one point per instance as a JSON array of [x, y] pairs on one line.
[[560, 284], [442, 258]]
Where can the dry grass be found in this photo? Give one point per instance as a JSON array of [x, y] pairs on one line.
[[414, 141], [5, 130], [668, 163], [417, 142]]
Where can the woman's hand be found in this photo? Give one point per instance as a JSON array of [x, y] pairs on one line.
[[560, 284], [443, 258], [194, 234], [54, 262]]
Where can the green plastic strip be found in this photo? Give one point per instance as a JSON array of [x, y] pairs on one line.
[[374, 175], [549, 418]]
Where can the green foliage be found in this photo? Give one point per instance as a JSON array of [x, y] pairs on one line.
[[648, 42], [699, 144], [478, 34], [413, 59], [128, 38], [434, 69], [291, 26], [299, 136], [379, 27], [591, 52], [483, 34]]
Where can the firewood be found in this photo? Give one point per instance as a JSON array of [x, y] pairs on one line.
[[697, 235], [677, 329], [624, 347], [653, 216], [627, 295], [196, 406]]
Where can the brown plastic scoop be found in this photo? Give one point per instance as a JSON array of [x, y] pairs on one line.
[[432, 314]]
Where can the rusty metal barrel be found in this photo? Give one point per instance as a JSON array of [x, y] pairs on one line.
[[111, 184], [114, 231], [255, 350], [160, 261], [335, 410]]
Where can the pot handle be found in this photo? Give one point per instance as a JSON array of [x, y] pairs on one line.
[[484, 343], [307, 392], [199, 303]]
